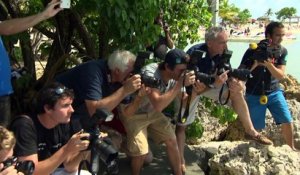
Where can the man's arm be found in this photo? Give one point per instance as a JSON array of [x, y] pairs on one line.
[[161, 101], [65, 153], [17, 25], [131, 85], [170, 42], [49, 165], [72, 165], [131, 108], [277, 72]]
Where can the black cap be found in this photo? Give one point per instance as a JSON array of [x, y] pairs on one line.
[[176, 56]]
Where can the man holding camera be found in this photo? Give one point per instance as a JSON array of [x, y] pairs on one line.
[[46, 138], [102, 84], [267, 63], [9, 27], [144, 115], [7, 143], [214, 46]]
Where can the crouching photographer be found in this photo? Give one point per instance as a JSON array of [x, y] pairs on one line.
[[143, 117], [215, 63], [9, 165], [45, 137]]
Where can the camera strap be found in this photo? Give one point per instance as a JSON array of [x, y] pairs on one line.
[[183, 118], [221, 93], [87, 164]]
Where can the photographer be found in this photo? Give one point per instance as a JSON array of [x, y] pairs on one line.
[[102, 84], [10, 27], [144, 115], [263, 90], [160, 47], [46, 138], [7, 143], [214, 46]]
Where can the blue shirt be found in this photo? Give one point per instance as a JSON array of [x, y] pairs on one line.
[[89, 82], [5, 72], [205, 64]]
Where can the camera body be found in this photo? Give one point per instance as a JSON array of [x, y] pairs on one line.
[[26, 167], [195, 58], [141, 60], [265, 51], [224, 65], [101, 148]]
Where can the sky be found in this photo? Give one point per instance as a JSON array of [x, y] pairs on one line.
[[258, 8]]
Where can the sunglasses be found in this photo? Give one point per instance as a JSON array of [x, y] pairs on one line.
[[59, 90]]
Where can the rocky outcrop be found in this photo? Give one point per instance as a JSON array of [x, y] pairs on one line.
[[224, 150], [243, 158], [291, 87]]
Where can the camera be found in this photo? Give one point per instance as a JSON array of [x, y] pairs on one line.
[[263, 50], [195, 58], [223, 64], [140, 61], [65, 4], [26, 167], [101, 148]]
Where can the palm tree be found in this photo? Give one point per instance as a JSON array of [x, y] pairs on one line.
[[228, 12], [269, 13]]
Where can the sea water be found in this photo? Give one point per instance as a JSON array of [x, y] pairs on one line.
[[292, 46]]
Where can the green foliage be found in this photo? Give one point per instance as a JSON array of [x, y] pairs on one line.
[[228, 12], [269, 13], [194, 130], [129, 24], [232, 14], [22, 83], [223, 113], [244, 16], [285, 13]]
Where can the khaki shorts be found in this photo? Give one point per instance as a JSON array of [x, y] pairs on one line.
[[138, 126]]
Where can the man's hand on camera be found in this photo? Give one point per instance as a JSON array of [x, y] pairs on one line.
[[78, 142], [267, 63], [221, 79], [199, 87], [9, 170], [189, 78], [132, 84], [144, 91], [236, 86]]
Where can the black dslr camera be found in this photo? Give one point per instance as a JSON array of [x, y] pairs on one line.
[[26, 167], [195, 58], [139, 63], [265, 51], [223, 64], [101, 148]]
